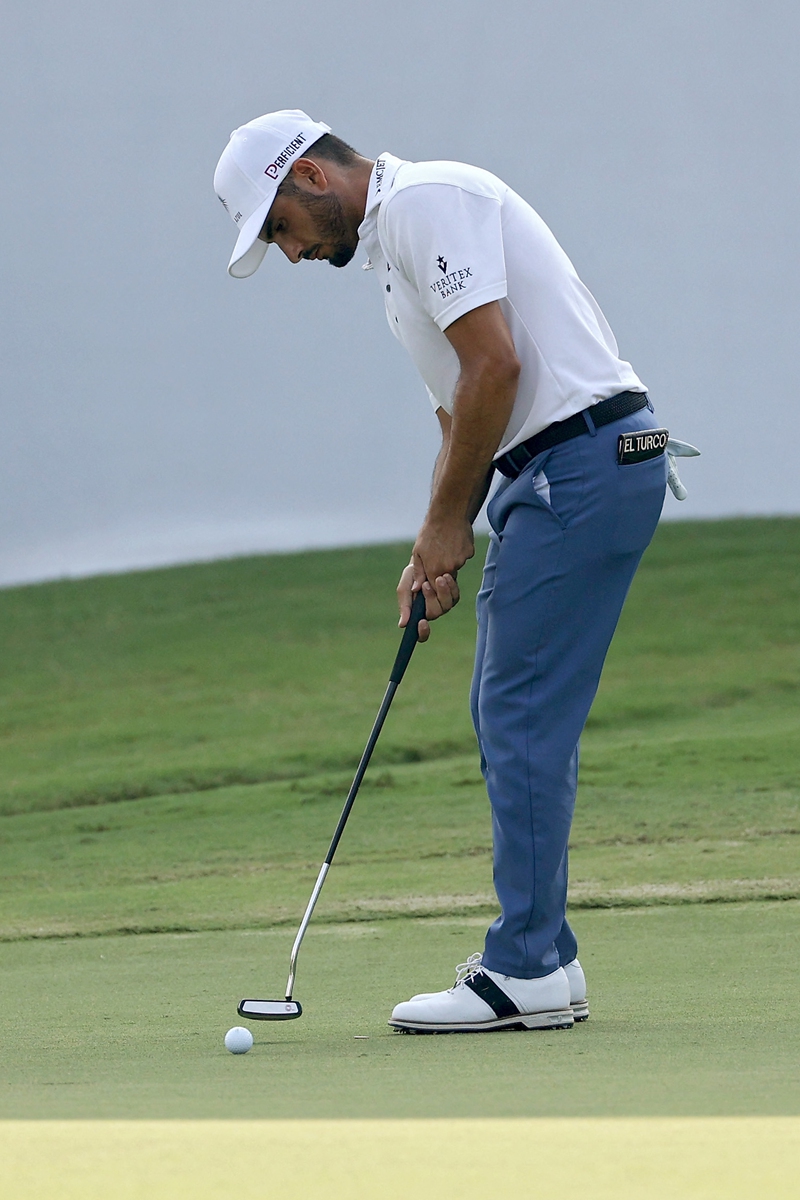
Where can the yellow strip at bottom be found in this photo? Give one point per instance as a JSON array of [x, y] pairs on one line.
[[715, 1158]]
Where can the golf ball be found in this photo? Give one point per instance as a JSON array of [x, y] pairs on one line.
[[238, 1040]]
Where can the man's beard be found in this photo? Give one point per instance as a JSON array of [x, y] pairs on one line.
[[328, 214]]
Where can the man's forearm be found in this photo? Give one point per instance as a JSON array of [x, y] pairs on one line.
[[482, 408], [481, 493]]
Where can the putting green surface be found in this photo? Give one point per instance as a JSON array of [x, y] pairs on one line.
[[693, 1012]]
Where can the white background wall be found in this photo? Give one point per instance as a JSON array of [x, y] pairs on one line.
[[153, 410]]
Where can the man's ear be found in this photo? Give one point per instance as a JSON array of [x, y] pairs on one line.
[[309, 175]]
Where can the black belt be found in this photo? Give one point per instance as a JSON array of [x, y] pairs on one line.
[[514, 461]]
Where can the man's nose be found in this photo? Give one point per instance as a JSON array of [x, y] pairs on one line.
[[292, 248]]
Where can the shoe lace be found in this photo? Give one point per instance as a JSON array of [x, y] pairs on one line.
[[466, 970]]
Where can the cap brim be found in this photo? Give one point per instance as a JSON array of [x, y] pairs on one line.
[[250, 249]]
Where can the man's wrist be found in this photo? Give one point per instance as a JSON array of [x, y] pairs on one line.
[[440, 514]]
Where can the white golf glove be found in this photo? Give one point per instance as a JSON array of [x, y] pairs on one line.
[[676, 449]]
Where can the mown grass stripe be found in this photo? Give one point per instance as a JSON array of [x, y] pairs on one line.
[[596, 1159], [643, 896]]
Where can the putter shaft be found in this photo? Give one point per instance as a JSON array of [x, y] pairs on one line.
[[348, 804], [304, 926], [288, 1009]]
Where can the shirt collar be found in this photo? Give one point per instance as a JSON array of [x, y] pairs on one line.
[[380, 184]]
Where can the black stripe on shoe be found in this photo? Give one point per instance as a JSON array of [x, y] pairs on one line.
[[501, 1004]]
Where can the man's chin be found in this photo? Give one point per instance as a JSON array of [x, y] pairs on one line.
[[341, 256]]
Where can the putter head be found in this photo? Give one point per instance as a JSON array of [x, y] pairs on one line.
[[269, 1010]]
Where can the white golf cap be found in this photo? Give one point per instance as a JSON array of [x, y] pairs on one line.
[[257, 157]]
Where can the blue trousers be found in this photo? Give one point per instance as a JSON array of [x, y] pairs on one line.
[[561, 559]]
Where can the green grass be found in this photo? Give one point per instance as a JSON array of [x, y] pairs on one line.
[[260, 669], [133, 1027], [234, 699], [176, 747], [418, 842], [197, 677]]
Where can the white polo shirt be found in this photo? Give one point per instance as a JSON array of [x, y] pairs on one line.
[[445, 238]]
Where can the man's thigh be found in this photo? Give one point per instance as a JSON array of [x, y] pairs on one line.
[[562, 566]]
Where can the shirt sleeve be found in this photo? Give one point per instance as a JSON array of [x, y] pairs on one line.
[[435, 404], [448, 242]]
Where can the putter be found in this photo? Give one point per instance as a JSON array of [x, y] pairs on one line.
[[288, 1009]]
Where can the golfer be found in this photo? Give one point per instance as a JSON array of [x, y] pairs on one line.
[[525, 378]]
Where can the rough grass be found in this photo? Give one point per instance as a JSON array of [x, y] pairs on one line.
[[269, 668], [177, 744]]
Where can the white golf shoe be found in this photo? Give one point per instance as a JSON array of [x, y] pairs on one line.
[[577, 990], [481, 1000], [573, 970]]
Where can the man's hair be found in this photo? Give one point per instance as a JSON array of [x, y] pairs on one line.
[[335, 150], [330, 147]]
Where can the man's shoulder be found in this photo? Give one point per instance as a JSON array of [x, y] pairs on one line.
[[475, 180]]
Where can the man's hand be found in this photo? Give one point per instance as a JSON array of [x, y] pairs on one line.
[[405, 598], [439, 551], [437, 601]]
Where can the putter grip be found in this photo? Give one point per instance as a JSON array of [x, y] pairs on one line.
[[410, 639]]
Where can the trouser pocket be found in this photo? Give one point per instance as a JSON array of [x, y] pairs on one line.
[[640, 498]]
